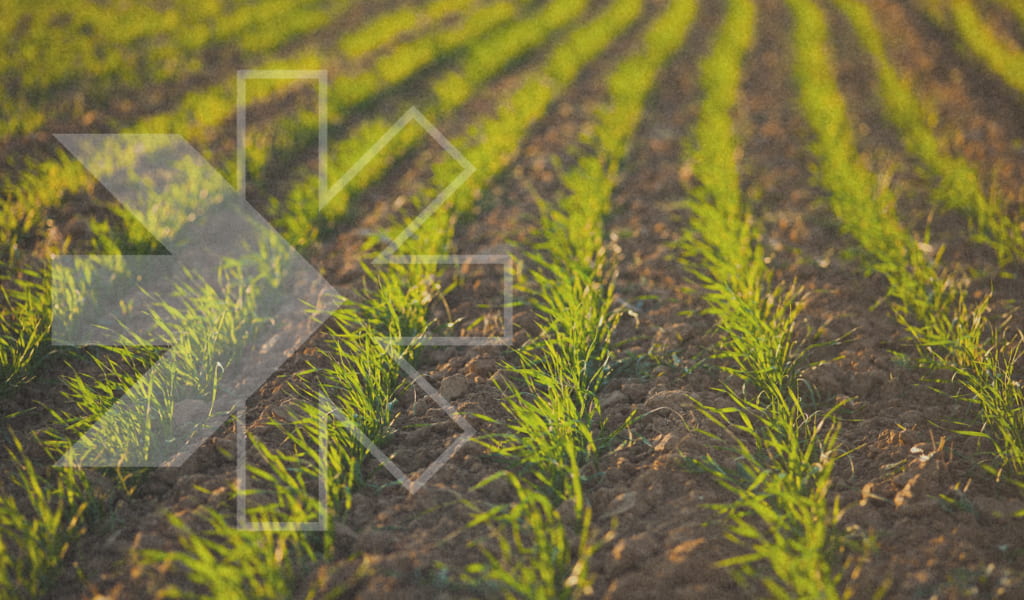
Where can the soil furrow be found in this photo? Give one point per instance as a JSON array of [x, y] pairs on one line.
[[664, 543]]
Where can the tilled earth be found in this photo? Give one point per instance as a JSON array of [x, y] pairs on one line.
[[898, 426]]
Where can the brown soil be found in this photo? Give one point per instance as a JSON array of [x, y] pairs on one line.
[[942, 526]]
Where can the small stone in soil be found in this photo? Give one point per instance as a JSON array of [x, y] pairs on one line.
[[454, 387]]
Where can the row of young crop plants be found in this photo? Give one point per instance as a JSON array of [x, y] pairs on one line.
[[97, 53], [956, 185], [931, 302], [786, 438], [782, 439], [983, 42], [555, 430]]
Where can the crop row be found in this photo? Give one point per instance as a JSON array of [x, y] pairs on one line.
[[554, 428], [1001, 55], [782, 515]]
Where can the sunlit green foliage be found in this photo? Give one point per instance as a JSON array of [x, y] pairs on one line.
[[782, 444], [784, 513], [39, 521], [958, 186], [999, 53], [539, 554], [24, 324], [226, 562]]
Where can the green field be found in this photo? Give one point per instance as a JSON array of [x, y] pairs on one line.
[[496, 299]]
